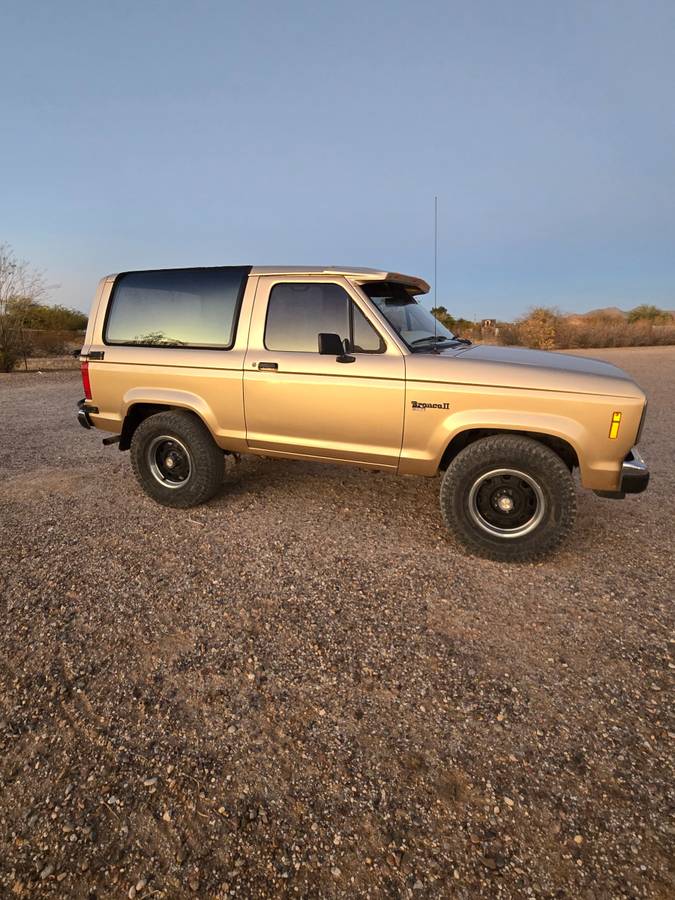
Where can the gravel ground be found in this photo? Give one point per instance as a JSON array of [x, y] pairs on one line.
[[305, 689]]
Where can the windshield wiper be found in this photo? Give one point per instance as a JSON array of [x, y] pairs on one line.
[[432, 337]]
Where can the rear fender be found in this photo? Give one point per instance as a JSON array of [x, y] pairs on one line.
[[168, 397]]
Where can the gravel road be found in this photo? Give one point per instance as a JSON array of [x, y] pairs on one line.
[[305, 689]]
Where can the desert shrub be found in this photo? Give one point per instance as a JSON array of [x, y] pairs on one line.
[[507, 334], [538, 328], [651, 314], [617, 333], [53, 343], [547, 330], [444, 317]]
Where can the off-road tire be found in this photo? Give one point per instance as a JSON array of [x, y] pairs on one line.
[[510, 452], [205, 458]]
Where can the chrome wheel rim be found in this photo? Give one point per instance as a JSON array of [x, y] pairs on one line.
[[169, 461], [506, 503]]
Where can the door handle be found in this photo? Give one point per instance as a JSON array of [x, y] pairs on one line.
[[268, 365]]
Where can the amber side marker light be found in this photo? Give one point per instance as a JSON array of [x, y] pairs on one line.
[[614, 427]]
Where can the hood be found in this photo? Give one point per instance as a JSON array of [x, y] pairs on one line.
[[521, 368]]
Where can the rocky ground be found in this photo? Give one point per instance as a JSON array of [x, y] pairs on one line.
[[306, 689]]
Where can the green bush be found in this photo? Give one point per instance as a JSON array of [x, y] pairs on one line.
[[651, 314], [41, 317]]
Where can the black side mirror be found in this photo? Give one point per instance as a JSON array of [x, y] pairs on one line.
[[331, 345]]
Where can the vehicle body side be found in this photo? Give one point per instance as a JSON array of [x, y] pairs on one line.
[[395, 410]]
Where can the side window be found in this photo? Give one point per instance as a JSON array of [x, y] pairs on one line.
[[176, 307], [296, 313], [364, 337]]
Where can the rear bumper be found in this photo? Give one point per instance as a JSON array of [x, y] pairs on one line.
[[634, 477], [84, 410]]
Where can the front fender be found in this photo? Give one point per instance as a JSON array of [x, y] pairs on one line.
[[424, 447], [582, 420]]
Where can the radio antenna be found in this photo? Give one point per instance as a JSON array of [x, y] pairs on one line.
[[435, 266]]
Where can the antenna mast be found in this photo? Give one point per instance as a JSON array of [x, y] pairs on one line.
[[435, 264]]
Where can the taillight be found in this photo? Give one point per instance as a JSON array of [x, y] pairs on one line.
[[84, 371]]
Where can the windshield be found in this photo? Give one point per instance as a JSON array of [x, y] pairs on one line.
[[418, 327]]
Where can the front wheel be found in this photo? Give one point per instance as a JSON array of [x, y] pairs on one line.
[[509, 498]]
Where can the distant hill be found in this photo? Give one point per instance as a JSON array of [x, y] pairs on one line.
[[606, 311]]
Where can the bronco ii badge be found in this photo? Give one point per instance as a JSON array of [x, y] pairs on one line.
[[416, 405]]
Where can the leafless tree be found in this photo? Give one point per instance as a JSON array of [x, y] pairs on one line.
[[20, 287]]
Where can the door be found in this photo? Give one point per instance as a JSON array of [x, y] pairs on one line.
[[299, 402]]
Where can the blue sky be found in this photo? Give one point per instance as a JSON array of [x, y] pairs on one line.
[[152, 134]]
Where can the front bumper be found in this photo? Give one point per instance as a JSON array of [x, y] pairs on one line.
[[634, 477], [634, 474], [84, 410]]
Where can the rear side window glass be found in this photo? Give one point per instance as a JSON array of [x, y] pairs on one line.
[[297, 313], [176, 307]]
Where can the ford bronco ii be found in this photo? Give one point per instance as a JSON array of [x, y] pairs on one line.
[[345, 365]]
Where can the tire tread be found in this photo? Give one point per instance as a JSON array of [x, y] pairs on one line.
[[517, 451], [207, 458]]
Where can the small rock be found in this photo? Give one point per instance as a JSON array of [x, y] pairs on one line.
[[488, 862], [140, 884], [47, 871], [578, 839], [335, 872], [150, 781], [167, 816], [508, 801], [132, 892], [418, 886], [194, 884]]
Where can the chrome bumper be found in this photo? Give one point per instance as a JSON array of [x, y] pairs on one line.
[[84, 409], [634, 477], [634, 474]]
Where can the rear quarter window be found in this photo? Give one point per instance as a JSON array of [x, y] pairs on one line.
[[176, 308]]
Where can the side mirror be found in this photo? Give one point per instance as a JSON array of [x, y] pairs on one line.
[[331, 345]]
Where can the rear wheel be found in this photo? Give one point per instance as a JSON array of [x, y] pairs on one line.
[[175, 459], [508, 497]]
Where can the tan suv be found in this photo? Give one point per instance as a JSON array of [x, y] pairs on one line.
[[345, 365]]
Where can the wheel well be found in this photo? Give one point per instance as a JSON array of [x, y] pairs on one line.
[[564, 450], [138, 413]]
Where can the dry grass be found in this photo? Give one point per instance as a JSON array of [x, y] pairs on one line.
[[545, 329]]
